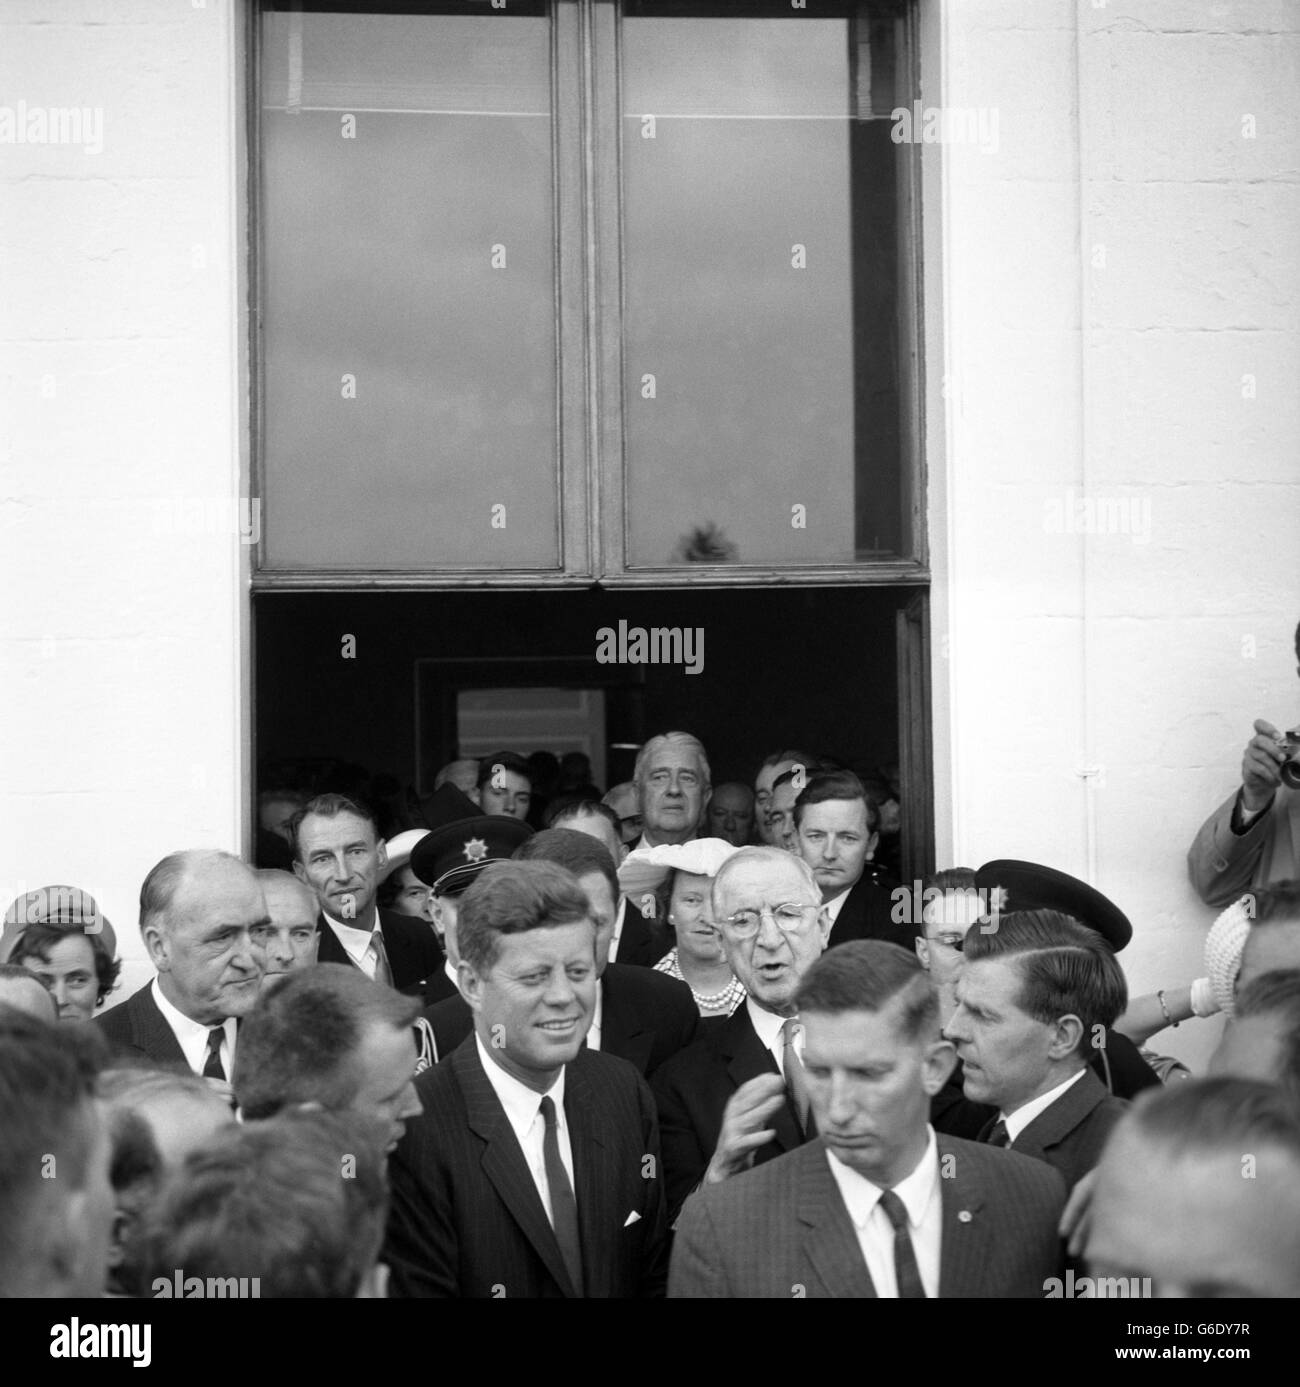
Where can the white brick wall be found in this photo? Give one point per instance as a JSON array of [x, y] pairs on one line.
[[119, 329], [1120, 125]]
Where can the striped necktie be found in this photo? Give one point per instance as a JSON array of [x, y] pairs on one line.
[[564, 1208]]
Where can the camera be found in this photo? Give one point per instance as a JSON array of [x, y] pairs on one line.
[[1289, 770]]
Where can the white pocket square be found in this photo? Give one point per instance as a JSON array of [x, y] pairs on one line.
[[632, 1218]]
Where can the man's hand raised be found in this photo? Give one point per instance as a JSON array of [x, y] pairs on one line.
[[1259, 767], [744, 1126]]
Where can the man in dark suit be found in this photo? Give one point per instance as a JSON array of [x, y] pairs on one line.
[[338, 852], [1032, 998], [641, 1016], [203, 916], [534, 1168], [734, 1097], [877, 1205], [837, 830]]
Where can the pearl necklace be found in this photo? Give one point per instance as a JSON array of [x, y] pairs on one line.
[[731, 994]]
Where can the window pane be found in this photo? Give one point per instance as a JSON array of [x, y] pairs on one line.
[[762, 283], [408, 289]]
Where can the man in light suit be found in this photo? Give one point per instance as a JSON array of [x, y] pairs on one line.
[[877, 1205], [1253, 837], [533, 1170], [837, 831], [1033, 998], [204, 918], [338, 852]]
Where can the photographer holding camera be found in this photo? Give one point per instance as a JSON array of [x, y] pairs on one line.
[[1253, 838]]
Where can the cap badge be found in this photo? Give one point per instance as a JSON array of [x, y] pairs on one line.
[[475, 850]]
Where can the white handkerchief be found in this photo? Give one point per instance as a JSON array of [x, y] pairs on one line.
[[632, 1218]]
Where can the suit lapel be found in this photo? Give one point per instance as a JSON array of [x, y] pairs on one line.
[[967, 1238], [830, 1242], [621, 1032], [590, 1190], [1062, 1117], [331, 949], [150, 1031], [747, 1057], [503, 1160]]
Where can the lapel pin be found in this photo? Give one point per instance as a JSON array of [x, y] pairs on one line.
[[963, 1216]]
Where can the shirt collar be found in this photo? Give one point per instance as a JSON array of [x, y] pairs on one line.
[[355, 941], [833, 907], [190, 1034], [521, 1103], [767, 1024], [916, 1191], [1023, 1116]]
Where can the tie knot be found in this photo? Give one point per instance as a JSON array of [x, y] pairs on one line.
[[548, 1111], [790, 1029], [999, 1136], [895, 1209], [215, 1036]]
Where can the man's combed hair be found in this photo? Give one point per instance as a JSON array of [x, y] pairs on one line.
[[1277, 995], [1065, 967], [828, 785], [165, 878], [512, 898], [1219, 1114], [566, 808], [47, 1075], [576, 852], [508, 761], [1275, 904], [866, 975], [686, 739], [297, 1202], [299, 1043], [761, 852], [330, 807]]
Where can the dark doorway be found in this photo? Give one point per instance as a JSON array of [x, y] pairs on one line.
[[375, 679]]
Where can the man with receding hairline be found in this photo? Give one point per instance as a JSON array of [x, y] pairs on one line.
[[199, 911], [876, 1205], [672, 783], [288, 942]]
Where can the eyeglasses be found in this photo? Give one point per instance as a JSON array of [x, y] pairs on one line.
[[790, 916]]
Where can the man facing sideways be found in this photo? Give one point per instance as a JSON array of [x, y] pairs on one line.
[[877, 1205], [1033, 998], [640, 1015], [735, 1097], [672, 781], [837, 828], [774, 766], [289, 941], [290, 1208], [731, 813], [1253, 837], [331, 1038], [56, 1203], [338, 852], [200, 914], [1198, 1193], [534, 1169]]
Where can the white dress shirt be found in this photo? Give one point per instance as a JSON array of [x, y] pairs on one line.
[[523, 1107], [833, 907], [768, 1026], [192, 1036], [923, 1200], [1022, 1117], [358, 944], [593, 1032]]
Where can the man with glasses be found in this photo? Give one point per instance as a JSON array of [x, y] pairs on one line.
[[737, 1097]]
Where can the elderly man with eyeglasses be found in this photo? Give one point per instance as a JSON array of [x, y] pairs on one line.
[[737, 1097]]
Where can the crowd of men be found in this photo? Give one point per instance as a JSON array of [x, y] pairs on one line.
[[484, 1058]]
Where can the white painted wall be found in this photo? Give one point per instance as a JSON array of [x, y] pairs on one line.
[[120, 623], [1114, 272]]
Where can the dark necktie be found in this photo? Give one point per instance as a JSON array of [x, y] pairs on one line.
[[212, 1067], [906, 1273], [564, 1208], [998, 1135]]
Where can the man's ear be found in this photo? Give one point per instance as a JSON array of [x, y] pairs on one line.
[[922, 946], [470, 984], [155, 941], [936, 1068], [824, 923], [381, 852], [374, 1284], [300, 871], [872, 844], [1065, 1037]]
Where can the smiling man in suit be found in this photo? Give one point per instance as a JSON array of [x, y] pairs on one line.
[[533, 1170], [338, 852], [202, 914], [640, 1015], [735, 1097], [877, 1205], [1033, 997]]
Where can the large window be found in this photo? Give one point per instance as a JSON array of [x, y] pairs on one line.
[[574, 291]]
